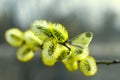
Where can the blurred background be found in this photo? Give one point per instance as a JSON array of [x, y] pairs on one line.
[[102, 17]]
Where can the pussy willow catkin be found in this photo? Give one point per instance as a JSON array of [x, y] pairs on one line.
[[52, 38], [14, 37]]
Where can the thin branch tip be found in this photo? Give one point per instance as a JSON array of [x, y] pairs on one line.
[[108, 62]]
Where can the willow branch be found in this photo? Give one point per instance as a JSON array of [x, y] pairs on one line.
[[108, 62]]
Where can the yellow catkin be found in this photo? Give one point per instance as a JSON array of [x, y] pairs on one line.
[[24, 54], [31, 40], [88, 66], [14, 37]]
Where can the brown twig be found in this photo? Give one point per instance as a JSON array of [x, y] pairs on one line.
[[108, 62]]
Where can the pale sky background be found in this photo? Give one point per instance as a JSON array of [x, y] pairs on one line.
[[92, 10]]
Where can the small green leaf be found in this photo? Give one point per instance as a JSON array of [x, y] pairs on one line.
[[83, 39]]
